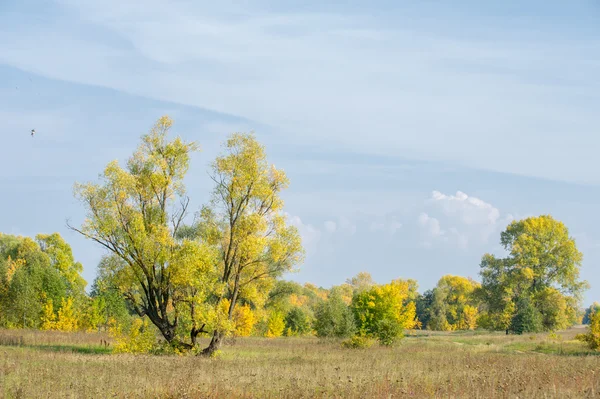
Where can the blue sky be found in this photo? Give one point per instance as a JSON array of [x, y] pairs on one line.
[[412, 132]]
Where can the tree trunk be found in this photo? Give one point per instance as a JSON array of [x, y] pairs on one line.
[[215, 344]]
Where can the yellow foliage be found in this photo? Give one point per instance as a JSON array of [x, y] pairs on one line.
[[138, 338], [385, 302], [244, 320], [66, 319], [468, 320], [298, 300], [48, 316], [13, 266], [275, 325]]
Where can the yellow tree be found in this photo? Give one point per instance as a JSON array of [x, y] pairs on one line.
[[136, 213], [454, 305], [246, 223]]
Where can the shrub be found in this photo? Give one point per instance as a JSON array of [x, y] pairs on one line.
[[275, 325], [385, 302], [357, 342], [593, 335], [388, 331], [333, 318], [297, 322], [139, 337]]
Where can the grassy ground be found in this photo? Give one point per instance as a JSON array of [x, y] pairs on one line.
[[465, 365]]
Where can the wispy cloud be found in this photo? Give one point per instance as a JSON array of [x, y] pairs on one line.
[[342, 78]]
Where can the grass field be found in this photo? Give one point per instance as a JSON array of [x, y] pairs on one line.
[[466, 365]]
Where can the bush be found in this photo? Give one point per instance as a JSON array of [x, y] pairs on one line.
[[333, 318], [275, 325], [385, 310], [527, 318], [357, 342], [593, 336], [297, 322], [139, 337], [388, 331]]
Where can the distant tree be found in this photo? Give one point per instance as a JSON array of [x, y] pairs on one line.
[[244, 320], [589, 312], [108, 302], [298, 321], [543, 265], [333, 318], [423, 305], [32, 273], [361, 282], [61, 258], [453, 305]]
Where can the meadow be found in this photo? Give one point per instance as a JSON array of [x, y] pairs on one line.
[[37, 364]]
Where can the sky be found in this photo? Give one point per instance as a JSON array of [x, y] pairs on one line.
[[412, 132]]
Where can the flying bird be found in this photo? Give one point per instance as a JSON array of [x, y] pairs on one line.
[[32, 132]]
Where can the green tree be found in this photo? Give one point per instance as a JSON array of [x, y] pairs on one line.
[[423, 305], [298, 321], [543, 264], [526, 317], [333, 318], [61, 258], [28, 280], [108, 302]]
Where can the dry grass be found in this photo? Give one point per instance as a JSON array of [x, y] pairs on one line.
[[427, 365]]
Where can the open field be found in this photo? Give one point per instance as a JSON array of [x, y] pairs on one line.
[[473, 365]]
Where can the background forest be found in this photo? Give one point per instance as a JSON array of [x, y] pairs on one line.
[[168, 278]]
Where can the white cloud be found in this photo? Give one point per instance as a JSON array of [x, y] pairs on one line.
[[471, 220], [330, 226], [470, 210], [430, 225]]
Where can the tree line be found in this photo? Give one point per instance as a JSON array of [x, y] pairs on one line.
[[178, 275]]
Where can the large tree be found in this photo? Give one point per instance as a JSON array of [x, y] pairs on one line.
[[245, 222], [136, 213], [188, 279], [543, 265]]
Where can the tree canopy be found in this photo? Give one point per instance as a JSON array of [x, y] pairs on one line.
[[543, 265], [179, 276]]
